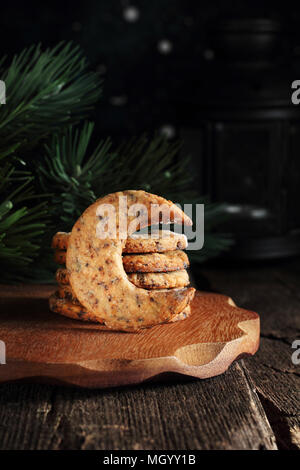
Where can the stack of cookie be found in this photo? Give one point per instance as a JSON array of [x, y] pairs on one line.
[[151, 261]]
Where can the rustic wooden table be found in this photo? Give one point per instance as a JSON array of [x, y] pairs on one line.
[[254, 405]]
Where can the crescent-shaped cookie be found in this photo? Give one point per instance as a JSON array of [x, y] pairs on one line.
[[182, 315], [78, 312], [68, 309], [97, 275]]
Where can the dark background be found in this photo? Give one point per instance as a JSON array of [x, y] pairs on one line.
[[141, 82], [216, 73]]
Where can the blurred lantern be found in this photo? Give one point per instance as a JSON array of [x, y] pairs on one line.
[[238, 122]]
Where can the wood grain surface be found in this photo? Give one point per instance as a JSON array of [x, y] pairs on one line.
[[218, 413], [47, 347], [273, 291], [253, 405]]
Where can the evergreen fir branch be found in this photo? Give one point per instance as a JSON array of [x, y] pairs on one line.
[[21, 226], [21, 229], [78, 176], [46, 90], [48, 93], [159, 171], [152, 165], [72, 174]]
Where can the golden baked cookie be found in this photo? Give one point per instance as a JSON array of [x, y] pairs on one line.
[[60, 256], [182, 315], [144, 262], [144, 280], [156, 262], [157, 242], [60, 241], [167, 280], [68, 309], [95, 264], [62, 276], [66, 292]]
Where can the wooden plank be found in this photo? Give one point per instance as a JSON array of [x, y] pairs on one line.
[[56, 349], [220, 413], [274, 293], [277, 382], [224, 412], [269, 291]]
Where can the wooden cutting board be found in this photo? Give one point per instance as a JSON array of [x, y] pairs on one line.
[[45, 347]]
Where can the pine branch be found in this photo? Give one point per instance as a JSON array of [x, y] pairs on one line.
[[42, 151], [77, 176], [152, 165], [73, 174], [21, 227], [46, 90]]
